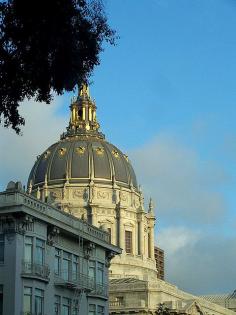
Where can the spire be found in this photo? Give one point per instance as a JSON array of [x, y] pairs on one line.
[[151, 207], [83, 120]]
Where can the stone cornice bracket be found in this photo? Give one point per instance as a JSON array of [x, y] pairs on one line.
[[109, 257], [52, 233], [88, 249], [11, 225]]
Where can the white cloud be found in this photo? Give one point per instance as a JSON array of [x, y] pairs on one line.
[[18, 153], [174, 239], [204, 266], [184, 186], [190, 192]]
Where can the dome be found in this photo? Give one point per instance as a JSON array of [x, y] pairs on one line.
[[90, 178], [82, 155], [81, 160]]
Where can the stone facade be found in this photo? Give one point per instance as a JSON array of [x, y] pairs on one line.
[[224, 300], [87, 177], [134, 296], [50, 261]]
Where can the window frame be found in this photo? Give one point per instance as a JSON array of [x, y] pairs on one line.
[[2, 248], [38, 297], [31, 299], [40, 249], [128, 242], [57, 304]]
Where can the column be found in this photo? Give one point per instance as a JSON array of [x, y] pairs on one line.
[[83, 113], [114, 233], [141, 237], [152, 242], [122, 233]]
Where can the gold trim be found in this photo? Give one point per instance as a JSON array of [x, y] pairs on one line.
[[62, 151], [115, 153], [46, 155], [126, 157], [80, 150], [100, 150]]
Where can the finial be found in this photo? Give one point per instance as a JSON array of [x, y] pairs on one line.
[[151, 207], [84, 90], [30, 187], [38, 193]]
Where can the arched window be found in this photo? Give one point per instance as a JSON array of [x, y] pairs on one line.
[[128, 242]]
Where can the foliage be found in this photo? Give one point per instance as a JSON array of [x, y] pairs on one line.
[[47, 46], [162, 309]]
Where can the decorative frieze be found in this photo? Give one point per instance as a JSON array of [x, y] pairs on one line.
[[103, 194]]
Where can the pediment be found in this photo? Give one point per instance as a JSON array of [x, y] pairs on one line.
[[194, 308], [129, 224], [105, 221]]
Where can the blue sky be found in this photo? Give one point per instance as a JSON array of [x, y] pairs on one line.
[[166, 95]]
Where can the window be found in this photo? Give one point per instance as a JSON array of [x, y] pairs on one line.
[[66, 265], [92, 309], [66, 306], [100, 272], [138, 238], [1, 248], [101, 310], [57, 261], [27, 299], [128, 242], [40, 251], [149, 245], [38, 302], [1, 299], [75, 308], [28, 249], [75, 267], [92, 270], [57, 305]]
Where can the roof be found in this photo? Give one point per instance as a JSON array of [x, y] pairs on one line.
[[220, 298], [80, 160]]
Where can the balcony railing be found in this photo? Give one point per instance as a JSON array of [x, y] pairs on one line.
[[116, 304], [35, 270], [80, 281]]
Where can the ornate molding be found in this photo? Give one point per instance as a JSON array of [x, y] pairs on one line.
[[80, 150], [102, 194]]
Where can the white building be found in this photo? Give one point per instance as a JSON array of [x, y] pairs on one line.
[[91, 179]]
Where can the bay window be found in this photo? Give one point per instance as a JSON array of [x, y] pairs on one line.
[[38, 302], [27, 299], [40, 251]]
